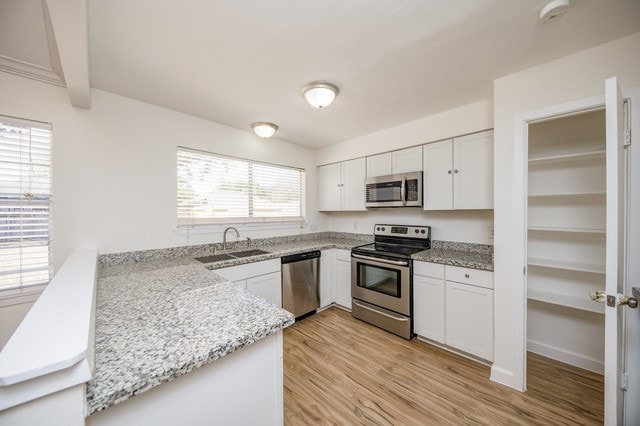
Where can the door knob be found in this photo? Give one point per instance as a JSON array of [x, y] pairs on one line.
[[597, 296], [631, 302]]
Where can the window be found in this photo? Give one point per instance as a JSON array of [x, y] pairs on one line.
[[216, 189], [25, 201]]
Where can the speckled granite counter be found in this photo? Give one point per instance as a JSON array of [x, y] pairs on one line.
[[158, 320], [476, 256], [161, 314]]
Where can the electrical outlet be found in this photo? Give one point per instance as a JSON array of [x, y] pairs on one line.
[[491, 232], [355, 226], [312, 226]]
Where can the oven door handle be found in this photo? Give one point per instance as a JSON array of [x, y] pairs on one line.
[[375, 259], [403, 190]]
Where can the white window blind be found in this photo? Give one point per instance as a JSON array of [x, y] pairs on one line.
[[25, 201], [216, 189]]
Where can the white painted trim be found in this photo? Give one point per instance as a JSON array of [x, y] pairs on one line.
[[19, 296], [502, 376], [568, 357], [520, 160], [34, 72], [52, 349]]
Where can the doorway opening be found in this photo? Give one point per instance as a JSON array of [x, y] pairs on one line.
[[566, 241]]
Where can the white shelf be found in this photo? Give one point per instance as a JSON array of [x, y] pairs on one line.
[[570, 230], [567, 157], [598, 194], [569, 266], [569, 300]]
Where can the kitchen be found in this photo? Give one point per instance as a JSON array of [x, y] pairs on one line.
[[110, 194]]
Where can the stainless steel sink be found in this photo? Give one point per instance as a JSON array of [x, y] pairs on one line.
[[215, 258], [229, 256], [247, 253]]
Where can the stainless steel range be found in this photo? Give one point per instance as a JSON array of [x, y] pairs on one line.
[[381, 283]]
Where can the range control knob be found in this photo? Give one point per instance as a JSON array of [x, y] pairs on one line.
[[378, 228], [417, 231], [383, 229], [423, 231]]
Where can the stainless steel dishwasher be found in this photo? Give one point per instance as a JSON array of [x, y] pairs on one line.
[[301, 283]]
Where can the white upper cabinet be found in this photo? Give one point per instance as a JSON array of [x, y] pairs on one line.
[[379, 165], [402, 161], [341, 185], [458, 173], [407, 160]]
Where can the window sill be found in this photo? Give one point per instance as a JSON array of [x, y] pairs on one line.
[[217, 228], [19, 296]]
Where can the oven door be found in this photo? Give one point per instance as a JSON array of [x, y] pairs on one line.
[[382, 282]]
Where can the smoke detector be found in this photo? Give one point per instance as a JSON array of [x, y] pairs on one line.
[[553, 11]]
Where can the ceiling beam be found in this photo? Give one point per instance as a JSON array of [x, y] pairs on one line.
[[67, 29]]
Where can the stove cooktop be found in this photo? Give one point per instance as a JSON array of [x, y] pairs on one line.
[[389, 249]]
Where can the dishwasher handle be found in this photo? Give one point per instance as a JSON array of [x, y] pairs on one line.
[[300, 256]]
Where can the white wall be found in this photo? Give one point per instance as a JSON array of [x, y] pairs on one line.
[[114, 166], [10, 318], [574, 77], [467, 226]]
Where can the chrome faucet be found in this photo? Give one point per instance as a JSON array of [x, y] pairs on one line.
[[224, 236]]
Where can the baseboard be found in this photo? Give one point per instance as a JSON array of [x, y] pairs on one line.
[[568, 357], [453, 350]]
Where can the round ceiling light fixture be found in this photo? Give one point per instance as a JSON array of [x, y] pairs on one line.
[[553, 11], [320, 94], [263, 129]]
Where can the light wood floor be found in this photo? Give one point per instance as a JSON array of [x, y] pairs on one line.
[[339, 370]]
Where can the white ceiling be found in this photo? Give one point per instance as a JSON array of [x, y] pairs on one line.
[[236, 62]]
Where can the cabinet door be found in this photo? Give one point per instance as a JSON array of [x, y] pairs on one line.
[[428, 307], [268, 287], [343, 283], [438, 175], [473, 171], [329, 187], [327, 277], [469, 319], [379, 165], [407, 160], [353, 174]]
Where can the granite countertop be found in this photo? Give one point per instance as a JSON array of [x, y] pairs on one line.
[[161, 314], [158, 320]]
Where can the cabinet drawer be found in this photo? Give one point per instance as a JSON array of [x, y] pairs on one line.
[[469, 276], [427, 269]]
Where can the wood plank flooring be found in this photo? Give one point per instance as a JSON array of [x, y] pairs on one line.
[[341, 371]]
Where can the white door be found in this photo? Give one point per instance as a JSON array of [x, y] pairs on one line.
[[407, 160], [330, 190], [438, 178], [379, 165], [268, 286], [613, 394], [353, 175], [473, 171]]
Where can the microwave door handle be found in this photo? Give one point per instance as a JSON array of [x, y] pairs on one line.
[[403, 190]]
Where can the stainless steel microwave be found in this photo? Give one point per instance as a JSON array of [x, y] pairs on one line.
[[400, 190]]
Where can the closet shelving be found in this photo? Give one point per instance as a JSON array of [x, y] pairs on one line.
[[566, 219]]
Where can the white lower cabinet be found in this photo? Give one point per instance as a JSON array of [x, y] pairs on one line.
[[469, 319], [428, 302], [261, 278], [343, 278], [454, 306], [327, 277]]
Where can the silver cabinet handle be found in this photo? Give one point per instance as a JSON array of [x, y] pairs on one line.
[[455, 171], [466, 275], [449, 171]]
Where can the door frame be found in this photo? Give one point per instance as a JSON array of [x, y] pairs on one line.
[[519, 247]]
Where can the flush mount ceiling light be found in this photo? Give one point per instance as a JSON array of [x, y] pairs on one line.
[[264, 129], [320, 94], [553, 11]]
